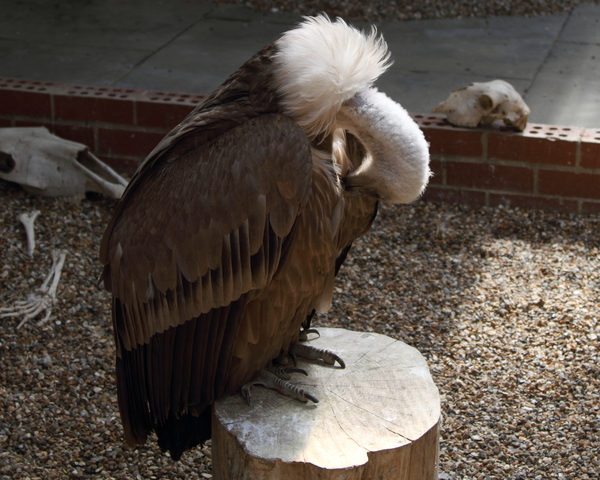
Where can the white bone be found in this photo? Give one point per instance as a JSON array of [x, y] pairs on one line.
[[44, 164], [486, 103], [27, 220], [41, 300]]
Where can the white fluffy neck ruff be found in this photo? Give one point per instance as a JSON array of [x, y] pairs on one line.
[[397, 167], [320, 65]]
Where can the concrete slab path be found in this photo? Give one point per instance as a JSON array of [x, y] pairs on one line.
[[191, 47]]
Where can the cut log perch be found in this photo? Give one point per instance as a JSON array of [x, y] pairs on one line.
[[376, 419]]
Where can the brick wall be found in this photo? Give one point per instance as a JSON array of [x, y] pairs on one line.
[[547, 167], [121, 126]]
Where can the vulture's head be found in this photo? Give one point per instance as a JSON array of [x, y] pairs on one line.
[[325, 72]]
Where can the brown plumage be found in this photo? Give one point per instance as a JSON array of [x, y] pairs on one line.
[[227, 238]]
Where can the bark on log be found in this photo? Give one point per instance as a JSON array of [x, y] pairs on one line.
[[377, 419]]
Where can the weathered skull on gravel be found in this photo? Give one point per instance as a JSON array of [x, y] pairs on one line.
[[44, 164], [485, 102]]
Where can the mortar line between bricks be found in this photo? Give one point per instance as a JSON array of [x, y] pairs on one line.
[[546, 196], [88, 124], [511, 163]]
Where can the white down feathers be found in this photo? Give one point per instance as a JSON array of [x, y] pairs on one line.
[[320, 65], [397, 167]]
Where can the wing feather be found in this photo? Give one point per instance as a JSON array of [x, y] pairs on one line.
[[245, 257], [189, 245], [165, 230], [237, 275], [150, 316], [257, 218]]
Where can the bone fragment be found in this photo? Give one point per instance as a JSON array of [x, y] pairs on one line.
[[28, 220], [41, 300]]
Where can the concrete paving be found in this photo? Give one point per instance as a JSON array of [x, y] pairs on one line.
[[192, 46]]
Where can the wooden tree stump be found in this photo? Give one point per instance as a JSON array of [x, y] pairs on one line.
[[376, 419]]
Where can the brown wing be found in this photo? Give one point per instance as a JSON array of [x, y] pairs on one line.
[[197, 238], [246, 93]]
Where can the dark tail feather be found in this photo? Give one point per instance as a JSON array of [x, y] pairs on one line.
[[130, 393], [177, 435]]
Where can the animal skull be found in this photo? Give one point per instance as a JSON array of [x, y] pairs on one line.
[[485, 102], [44, 164]]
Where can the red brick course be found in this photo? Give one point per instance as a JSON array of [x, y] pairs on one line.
[[19, 102], [544, 144], [444, 139], [569, 184], [489, 177], [545, 167], [590, 149], [93, 109], [161, 112], [590, 207], [130, 143]]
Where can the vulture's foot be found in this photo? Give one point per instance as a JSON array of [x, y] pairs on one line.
[[273, 380], [313, 353], [277, 374]]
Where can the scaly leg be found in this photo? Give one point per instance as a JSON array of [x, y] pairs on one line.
[[276, 376], [276, 379]]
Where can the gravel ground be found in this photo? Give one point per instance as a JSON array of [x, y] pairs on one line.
[[503, 303], [381, 10]]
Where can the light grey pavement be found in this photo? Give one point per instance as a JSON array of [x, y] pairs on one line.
[[190, 46]]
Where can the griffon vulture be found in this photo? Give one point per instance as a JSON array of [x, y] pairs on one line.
[[231, 232]]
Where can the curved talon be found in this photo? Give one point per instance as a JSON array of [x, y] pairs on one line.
[[313, 330], [310, 397], [285, 372], [245, 392], [303, 337], [338, 359], [313, 353]]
